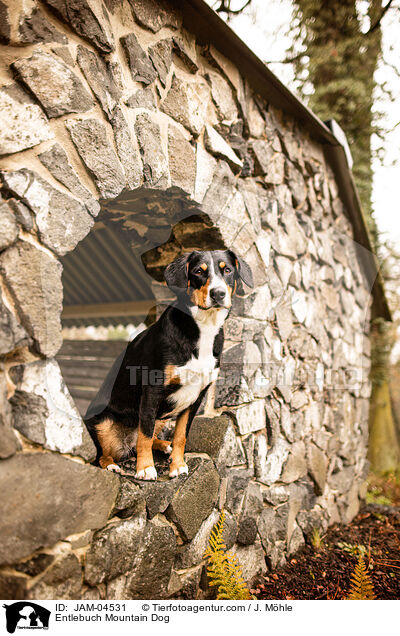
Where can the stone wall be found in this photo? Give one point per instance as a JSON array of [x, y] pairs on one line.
[[96, 104]]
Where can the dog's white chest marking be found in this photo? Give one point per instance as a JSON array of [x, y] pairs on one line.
[[198, 372]]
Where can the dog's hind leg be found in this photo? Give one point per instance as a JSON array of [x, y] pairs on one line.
[[149, 402], [108, 435]]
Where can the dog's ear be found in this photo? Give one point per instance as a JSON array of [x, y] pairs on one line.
[[243, 270], [176, 273]]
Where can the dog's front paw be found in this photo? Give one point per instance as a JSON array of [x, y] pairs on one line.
[[180, 470], [114, 468], [148, 474]]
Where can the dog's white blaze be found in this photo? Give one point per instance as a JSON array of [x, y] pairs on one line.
[[216, 281], [197, 373]]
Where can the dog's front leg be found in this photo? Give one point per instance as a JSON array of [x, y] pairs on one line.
[[145, 468], [178, 465]]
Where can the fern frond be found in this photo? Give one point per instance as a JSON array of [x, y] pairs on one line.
[[223, 567], [361, 588]]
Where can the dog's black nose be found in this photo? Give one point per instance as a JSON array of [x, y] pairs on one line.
[[217, 294]]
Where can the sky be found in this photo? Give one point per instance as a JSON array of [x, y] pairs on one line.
[[263, 27]]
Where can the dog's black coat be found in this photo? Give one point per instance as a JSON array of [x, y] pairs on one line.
[[126, 395]]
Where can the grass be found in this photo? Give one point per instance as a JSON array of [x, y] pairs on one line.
[[384, 489]]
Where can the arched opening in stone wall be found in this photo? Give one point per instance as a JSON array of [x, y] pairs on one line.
[[113, 280]]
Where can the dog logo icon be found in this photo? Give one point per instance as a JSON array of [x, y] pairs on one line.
[[26, 615]]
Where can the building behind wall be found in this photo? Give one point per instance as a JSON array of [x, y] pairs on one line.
[[155, 116]]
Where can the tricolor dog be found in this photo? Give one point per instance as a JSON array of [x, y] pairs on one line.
[[166, 370]]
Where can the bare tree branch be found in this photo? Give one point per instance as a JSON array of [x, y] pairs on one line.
[[225, 7], [286, 60], [377, 23]]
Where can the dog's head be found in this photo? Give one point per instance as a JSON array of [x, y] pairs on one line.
[[208, 279]]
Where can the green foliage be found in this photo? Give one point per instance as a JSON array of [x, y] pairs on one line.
[[316, 540], [375, 497], [223, 568], [361, 588], [353, 549]]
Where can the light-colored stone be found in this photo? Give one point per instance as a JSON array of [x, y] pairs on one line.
[[39, 303], [53, 83], [217, 146], [91, 140], [56, 424], [22, 122], [61, 220], [187, 103], [250, 417], [269, 463]]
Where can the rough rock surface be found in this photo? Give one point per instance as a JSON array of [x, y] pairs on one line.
[[62, 221], [53, 83], [193, 502], [43, 296], [44, 412], [23, 123], [36, 511], [87, 20], [141, 67], [56, 161], [187, 103], [90, 138], [155, 169], [182, 161]]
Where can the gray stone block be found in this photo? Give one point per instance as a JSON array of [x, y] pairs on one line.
[[61, 220], [8, 224], [44, 412], [37, 506], [317, 467], [143, 98], [142, 70], [12, 334], [91, 22], [56, 161], [155, 168], [182, 160], [194, 501], [97, 153], [23, 123], [53, 83], [130, 500], [34, 27], [217, 146], [187, 103], [216, 437], [151, 574], [155, 14], [100, 78], [161, 57], [39, 303], [63, 579], [114, 550], [128, 155]]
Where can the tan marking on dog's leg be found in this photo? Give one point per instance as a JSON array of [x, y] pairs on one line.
[[144, 457], [178, 466], [107, 435], [162, 445], [170, 376], [109, 464]]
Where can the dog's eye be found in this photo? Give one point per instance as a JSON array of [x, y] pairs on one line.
[[228, 270], [198, 271]]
